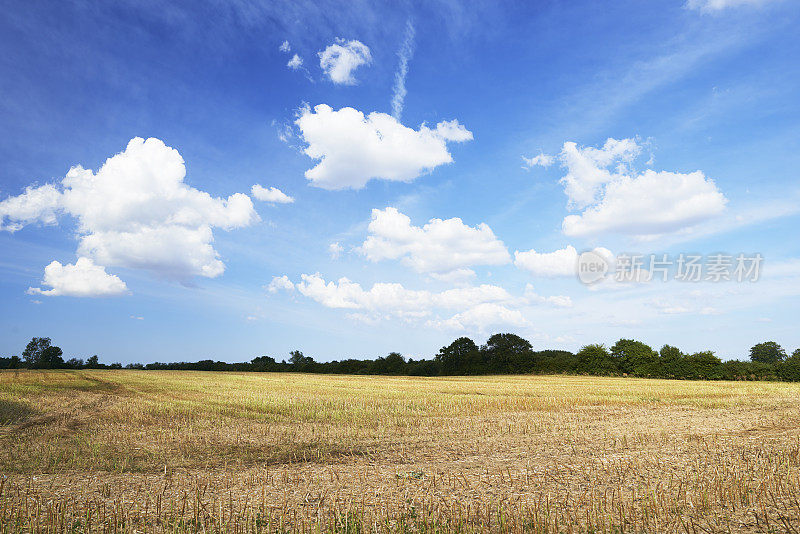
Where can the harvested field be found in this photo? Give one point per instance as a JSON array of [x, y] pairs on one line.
[[251, 452]]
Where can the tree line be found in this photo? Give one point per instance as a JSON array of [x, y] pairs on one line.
[[501, 354]]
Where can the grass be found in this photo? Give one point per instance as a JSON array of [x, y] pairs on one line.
[[251, 452]]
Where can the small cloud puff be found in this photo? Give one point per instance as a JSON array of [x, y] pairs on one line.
[[295, 63], [82, 279], [273, 194], [280, 283], [340, 59]]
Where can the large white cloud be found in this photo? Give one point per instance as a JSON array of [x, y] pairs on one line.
[[616, 199], [440, 246], [82, 279], [353, 149], [446, 309], [561, 262], [650, 204], [137, 212], [339, 60]]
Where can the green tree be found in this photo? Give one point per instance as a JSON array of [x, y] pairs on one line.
[[40, 354], [672, 362], [790, 368], [767, 352], [459, 357], [74, 363], [392, 364], [634, 357], [12, 362], [301, 362], [263, 363], [508, 353], [596, 360], [703, 365], [670, 353]]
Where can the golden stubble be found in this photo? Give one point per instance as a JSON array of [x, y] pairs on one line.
[[260, 452]]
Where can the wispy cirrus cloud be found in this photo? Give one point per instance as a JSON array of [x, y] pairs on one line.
[[404, 54]]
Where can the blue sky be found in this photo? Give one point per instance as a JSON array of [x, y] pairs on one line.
[[527, 134]]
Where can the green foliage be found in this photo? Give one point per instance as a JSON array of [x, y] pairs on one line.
[[702, 365], [596, 360], [300, 362], [263, 363], [790, 370], [767, 352], [41, 354], [459, 357], [12, 362], [392, 364], [503, 353], [635, 358], [507, 353]]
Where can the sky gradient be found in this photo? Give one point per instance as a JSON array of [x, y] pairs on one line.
[[183, 181]]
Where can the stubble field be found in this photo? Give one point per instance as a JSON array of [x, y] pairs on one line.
[[143, 451]]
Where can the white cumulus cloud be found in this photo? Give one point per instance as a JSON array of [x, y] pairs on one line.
[[616, 199], [137, 212], [81, 279], [35, 205], [440, 246], [280, 283], [590, 168], [295, 63], [562, 262], [272, 194], [476, 307], [649, 205], [353, 149], [339, 60]]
